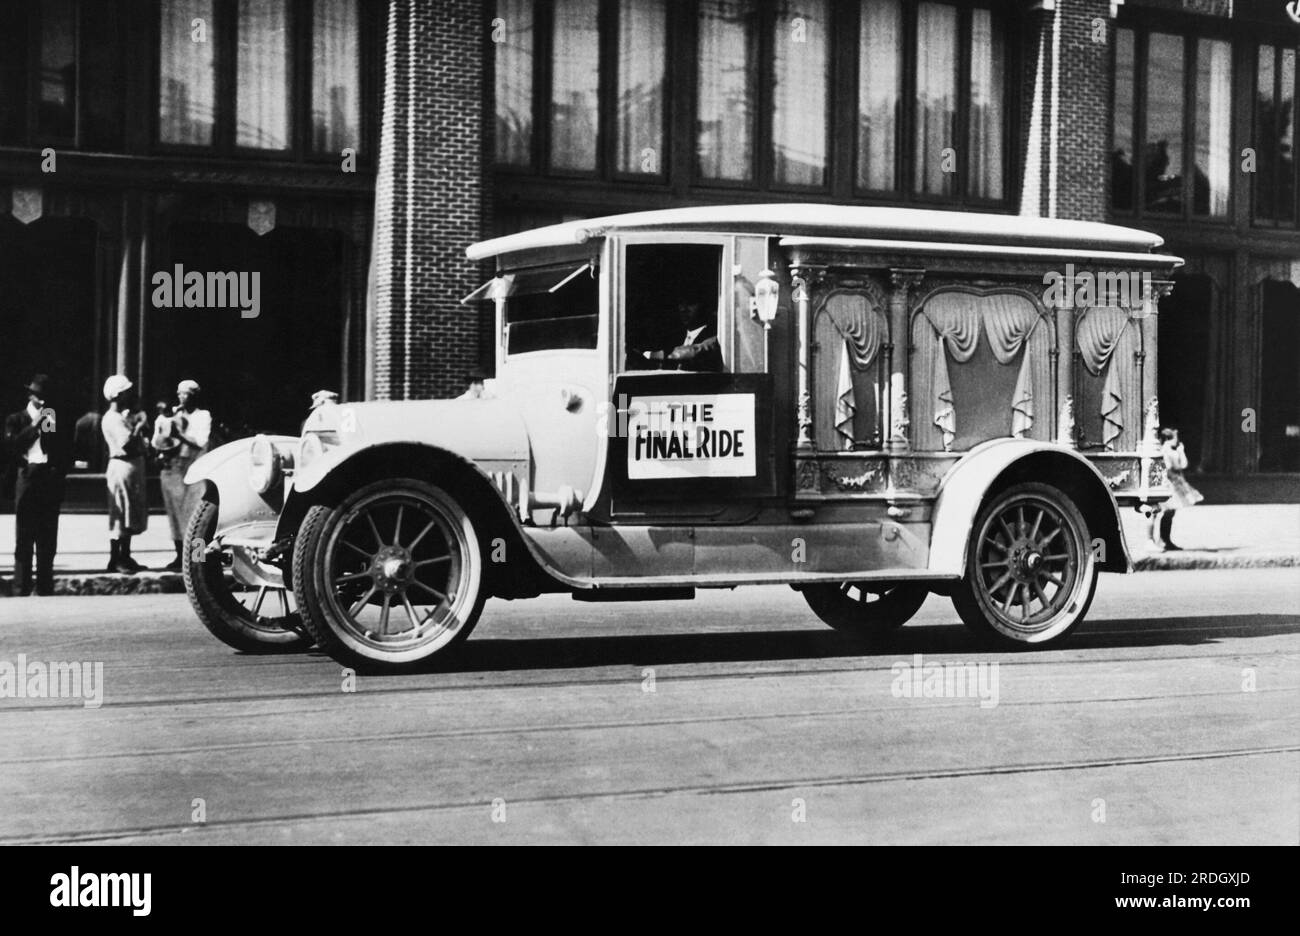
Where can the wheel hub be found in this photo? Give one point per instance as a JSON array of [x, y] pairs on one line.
[[392, 568]]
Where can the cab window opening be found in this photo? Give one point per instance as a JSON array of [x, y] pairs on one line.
[[673, 307], [553, 309]]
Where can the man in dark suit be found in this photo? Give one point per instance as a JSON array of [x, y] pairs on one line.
[[34, 457], [693, 345]]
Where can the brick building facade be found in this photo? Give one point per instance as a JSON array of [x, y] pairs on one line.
[[469, 118]]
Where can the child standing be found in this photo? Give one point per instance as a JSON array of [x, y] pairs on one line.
[[1184, 495]]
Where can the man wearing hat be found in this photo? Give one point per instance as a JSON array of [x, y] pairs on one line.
[[128, 511], [34, 456], [180, 439]]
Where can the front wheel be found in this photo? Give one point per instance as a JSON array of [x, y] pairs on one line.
[[390, 576], [252, 619], [865, 609], [1030, 570]]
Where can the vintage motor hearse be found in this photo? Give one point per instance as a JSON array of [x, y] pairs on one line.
[[866, 404]]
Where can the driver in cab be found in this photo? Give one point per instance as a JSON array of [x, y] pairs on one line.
[[693, 345]]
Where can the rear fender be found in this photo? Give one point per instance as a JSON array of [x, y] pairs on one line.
[[993, 466]]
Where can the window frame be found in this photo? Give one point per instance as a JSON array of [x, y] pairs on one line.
[[1190, 32], [679, 172], [224, 34]]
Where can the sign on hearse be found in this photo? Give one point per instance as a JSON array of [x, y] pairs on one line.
[[866, 404], [692, 436]]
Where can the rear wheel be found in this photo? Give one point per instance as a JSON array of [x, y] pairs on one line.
[[390, 576], [863, 608], [254, 619], [1030, 570]]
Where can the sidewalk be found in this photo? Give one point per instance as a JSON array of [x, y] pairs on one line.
[[1220, 536]]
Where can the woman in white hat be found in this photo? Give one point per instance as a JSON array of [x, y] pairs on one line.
[[128, 511], [181, 438]]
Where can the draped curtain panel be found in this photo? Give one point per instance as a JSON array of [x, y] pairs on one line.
[[575, 82], [642, 64], [936, 96], [262, 91], [880, 80], [1108, 339], [949, 326], [847, 383], [728, 67], [801, 71]]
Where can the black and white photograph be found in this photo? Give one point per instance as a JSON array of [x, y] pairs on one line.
[[651, 422]]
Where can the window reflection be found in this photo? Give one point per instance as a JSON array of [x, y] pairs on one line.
[[728, 57], [936, 98], [186, 87], [880, 68], [58, 87], [575, 85], [1121, 157], [799, 92], [642, 48], [336, 76], [1163, 159]]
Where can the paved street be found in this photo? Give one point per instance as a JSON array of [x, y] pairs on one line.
[[759, 716]]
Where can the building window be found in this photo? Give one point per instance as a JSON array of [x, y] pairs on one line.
[[1173, 155], [57, 112], [987, 129], [1121, 156], [800, 92], [1164, 125], [512, 34], [61, 73], [642, 69], [187, 74], [575, 85], [934, 155], [1213, 127], [262, 75], [728, 80], [335, 76], [880, 74], [1275, 84], [762, 87]]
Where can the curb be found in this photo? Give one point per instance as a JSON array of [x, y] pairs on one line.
[[1189, 559], [92, 584]]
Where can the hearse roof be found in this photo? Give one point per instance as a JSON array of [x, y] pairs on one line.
[[912, 225]]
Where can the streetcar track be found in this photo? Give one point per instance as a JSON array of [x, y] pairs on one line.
[[721, 789], [631, 674], [625, 724]]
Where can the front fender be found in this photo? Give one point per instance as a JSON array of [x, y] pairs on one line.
[[480, 432], [991, 464], [226, 470]]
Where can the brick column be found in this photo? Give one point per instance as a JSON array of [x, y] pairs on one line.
[[429, 199], [1066, 115]]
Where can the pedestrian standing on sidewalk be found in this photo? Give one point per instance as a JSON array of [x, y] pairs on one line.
[[180, 439], [128, 511], [1184, 495], [34, 461]]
